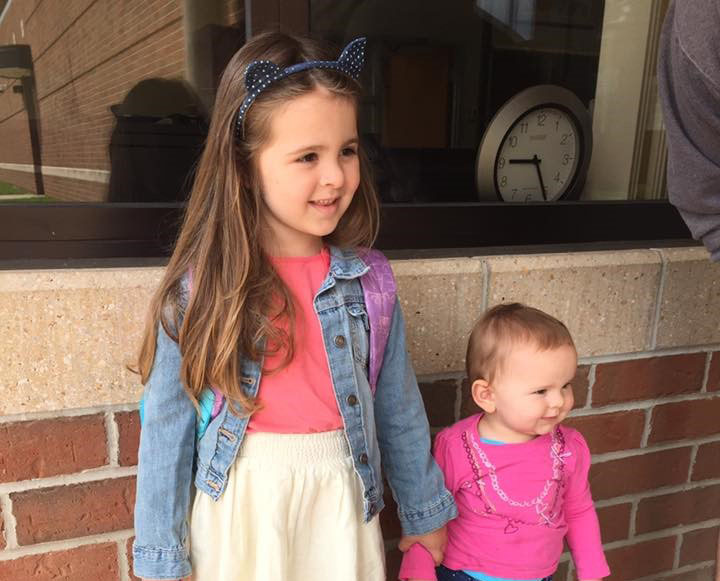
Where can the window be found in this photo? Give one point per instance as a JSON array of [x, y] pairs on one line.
[[104, 108]]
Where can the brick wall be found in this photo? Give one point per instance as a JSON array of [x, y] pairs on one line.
[[67, 481]]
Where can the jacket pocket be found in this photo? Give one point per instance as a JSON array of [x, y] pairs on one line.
[[360, 332]]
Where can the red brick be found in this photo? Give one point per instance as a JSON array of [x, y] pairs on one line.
[[641, 559], [610, 432], [614, 522], [713, 380], [88, 563], [42, 448], [685, 419], [389, 521], [638, 473], [702, 574], [467, 406], [580, 385], [678, 508], [698, 546], [649, 378], [393, 558], [65, 512], [439, 398], [128, 424], [2, 531], [129, 554], [707, 462]]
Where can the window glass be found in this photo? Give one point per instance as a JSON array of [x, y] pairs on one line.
[[105, 101], [440, 74]]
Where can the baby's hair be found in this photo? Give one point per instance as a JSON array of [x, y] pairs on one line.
[[506, 325], [237, 298]]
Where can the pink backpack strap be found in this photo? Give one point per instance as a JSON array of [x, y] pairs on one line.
[[380, 292]]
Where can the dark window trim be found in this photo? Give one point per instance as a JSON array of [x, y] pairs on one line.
[[81, 231]]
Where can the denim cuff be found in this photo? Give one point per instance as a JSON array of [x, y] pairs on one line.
[[156, 563], [430, 518]]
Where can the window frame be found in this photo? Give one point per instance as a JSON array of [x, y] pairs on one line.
[[134, 230]]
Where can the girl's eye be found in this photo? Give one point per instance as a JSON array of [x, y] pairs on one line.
[[308, 157], [567, 386], [541, 391], [349, 152]]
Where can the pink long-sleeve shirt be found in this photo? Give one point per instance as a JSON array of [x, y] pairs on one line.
[[516, 503]]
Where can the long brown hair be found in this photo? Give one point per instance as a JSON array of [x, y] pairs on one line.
[[226, 317]]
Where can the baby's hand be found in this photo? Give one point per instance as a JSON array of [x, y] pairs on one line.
[[434, 541]]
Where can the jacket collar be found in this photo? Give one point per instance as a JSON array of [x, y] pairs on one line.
[[345, 263]]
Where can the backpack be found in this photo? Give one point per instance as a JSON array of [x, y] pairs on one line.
[[379, 292]]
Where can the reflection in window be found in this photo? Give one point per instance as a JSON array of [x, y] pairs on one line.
[[438, 75], [119, 96], [114, 101]]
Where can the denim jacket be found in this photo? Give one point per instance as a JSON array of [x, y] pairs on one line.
[[392, 425]]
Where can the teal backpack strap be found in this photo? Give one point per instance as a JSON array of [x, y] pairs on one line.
[[210, 399], [380, 292]]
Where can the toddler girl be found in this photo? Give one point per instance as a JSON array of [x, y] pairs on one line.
[[518, 476]]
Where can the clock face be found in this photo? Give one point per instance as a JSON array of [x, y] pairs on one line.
[[538, 157]]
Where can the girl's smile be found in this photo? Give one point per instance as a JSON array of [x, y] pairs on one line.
[[530, 395], [309, 171]]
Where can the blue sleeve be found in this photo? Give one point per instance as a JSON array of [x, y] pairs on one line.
[[424, 504], [165, 463]]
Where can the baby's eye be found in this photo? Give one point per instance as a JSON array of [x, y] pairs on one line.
[[541, 391], [308, 157], [567, 386], [349, 151]]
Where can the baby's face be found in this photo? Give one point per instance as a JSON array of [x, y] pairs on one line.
[[533, 390]]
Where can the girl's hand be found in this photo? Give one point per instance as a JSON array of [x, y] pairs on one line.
[[434, 541]]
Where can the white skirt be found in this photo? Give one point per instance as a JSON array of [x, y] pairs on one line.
[[292, 511]]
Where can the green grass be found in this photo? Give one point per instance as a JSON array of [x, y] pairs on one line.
[[7, 189]]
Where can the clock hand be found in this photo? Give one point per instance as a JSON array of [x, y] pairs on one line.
[[523, 160], [537, 161]]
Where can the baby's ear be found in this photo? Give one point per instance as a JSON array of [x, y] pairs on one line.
[[483, 395]]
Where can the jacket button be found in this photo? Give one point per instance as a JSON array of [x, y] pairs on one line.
[[339, 341], [352, 399], [363, 458]]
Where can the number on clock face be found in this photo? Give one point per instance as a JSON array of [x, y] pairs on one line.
[[538, 157]]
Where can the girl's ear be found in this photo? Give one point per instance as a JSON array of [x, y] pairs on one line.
[[483, 395]]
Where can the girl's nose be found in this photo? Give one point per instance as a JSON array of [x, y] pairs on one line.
[[556, 399], [333, 174]]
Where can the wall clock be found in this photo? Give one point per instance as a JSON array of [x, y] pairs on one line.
[[536, 148]]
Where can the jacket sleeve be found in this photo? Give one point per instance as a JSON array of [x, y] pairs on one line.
[[417, 562], [583, 536], [689, 89], [424, 504], [165, 463]]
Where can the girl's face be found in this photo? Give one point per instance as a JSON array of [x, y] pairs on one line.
[[531, 393], [309, 171]]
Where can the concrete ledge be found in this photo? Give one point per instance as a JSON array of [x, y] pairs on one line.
[[67, 335]]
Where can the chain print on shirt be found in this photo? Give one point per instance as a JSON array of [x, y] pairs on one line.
[[547, 511]]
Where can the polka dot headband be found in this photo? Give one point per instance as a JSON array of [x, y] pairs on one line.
[[260, 74]]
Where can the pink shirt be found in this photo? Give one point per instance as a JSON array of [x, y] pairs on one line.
[[300, 398], [492, 534]]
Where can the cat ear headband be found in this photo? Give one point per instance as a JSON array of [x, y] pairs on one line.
[[260, 74]]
